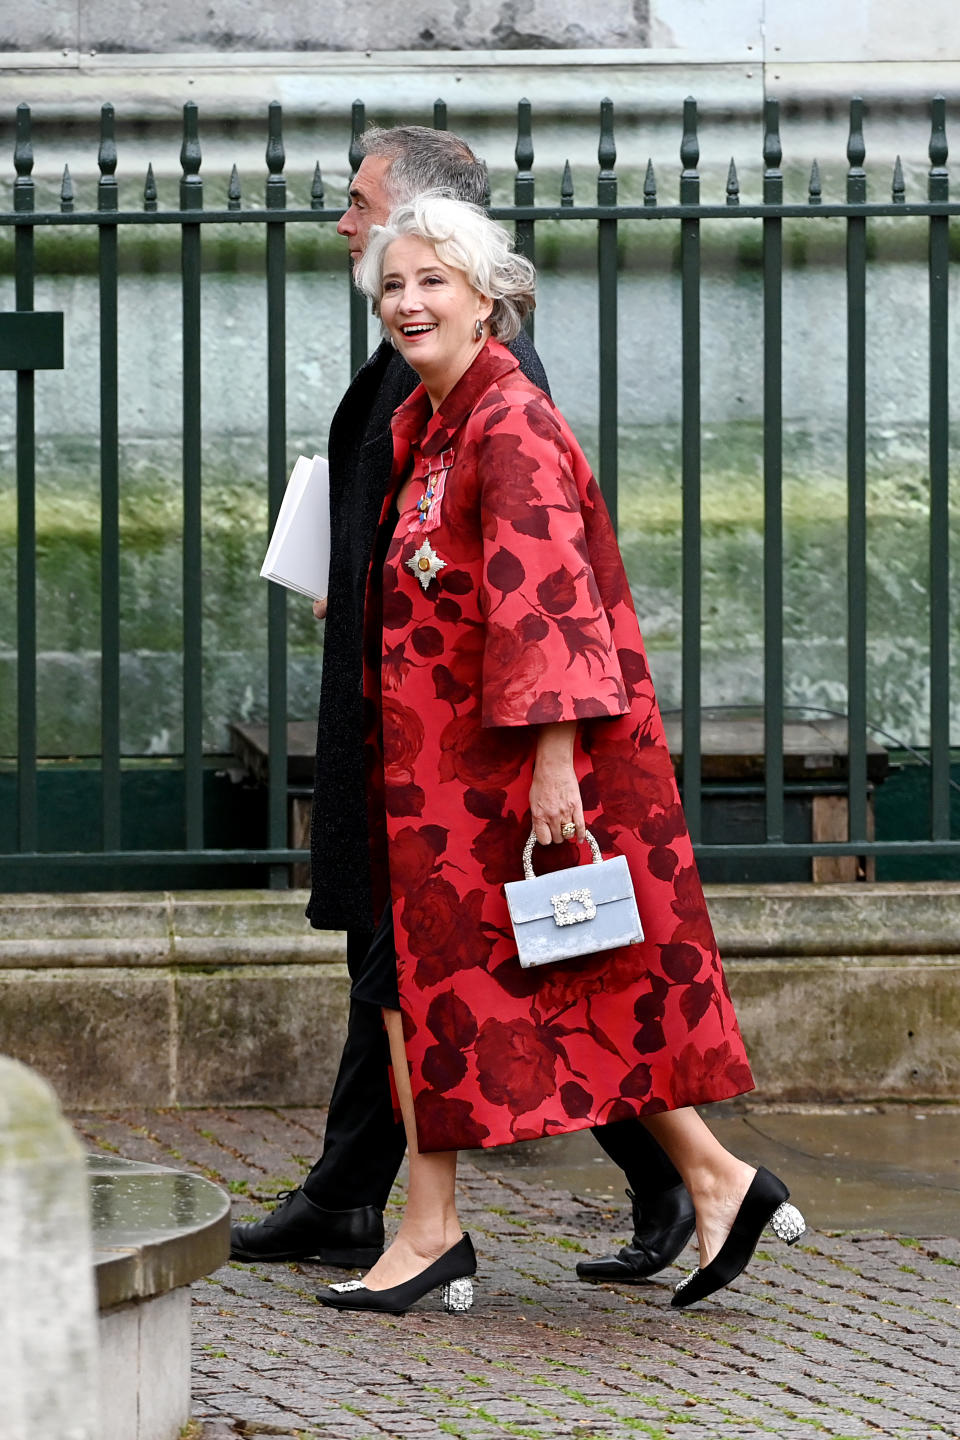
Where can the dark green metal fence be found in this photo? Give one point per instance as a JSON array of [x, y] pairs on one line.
[[31, 341]]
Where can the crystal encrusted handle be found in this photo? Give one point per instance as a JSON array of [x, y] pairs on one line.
[[528, 854]]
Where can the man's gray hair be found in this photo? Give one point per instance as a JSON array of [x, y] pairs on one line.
[[466, 239], [423, 159]]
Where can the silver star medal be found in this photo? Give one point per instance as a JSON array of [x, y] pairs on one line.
[[425, 564]]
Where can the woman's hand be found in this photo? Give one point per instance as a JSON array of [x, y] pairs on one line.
[[555, 794], [320, 609]]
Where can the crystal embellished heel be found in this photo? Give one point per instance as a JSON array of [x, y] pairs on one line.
[[457, 1296], [787, 1224], [765, 1203], [450, 1274]]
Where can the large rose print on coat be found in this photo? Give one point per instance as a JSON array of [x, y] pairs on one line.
[[481, 759], [444, 932], [451, 1124], [402, 743], [516, 1065], [413, 856], [633, 778], [512, 671], [695, 1070], [509, 491]]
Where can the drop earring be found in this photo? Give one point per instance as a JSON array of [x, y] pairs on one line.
[[478, 330]]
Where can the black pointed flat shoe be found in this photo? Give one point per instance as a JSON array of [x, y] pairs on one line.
[[765, 1203], [450, 1273], [661, 1228]]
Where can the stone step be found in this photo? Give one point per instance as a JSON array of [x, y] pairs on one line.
[[844, 992]]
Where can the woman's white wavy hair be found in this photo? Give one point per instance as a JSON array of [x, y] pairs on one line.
[[465, 239]]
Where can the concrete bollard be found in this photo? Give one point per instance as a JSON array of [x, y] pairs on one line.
[[48, 1310]]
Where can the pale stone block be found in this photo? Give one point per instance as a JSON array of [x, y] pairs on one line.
[[43, 25], [119, 1336], [93, 1033], [145, 1367], [241, 26], [733, 29], [48, 1354], [849, 1028], [861, 30], [267, 1035], [164, 1365]]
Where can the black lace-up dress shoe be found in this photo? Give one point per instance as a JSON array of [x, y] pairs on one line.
[[300, 1230], [660, 1231]]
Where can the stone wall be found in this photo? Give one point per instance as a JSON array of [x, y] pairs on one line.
[[777, 30], [843, 992]]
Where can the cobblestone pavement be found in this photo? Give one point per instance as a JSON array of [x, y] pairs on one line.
[[842, 1336]]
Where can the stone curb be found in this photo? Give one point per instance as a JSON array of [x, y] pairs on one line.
[[843, 993]]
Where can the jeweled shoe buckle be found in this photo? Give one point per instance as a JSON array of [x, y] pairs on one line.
[[682, 1284]]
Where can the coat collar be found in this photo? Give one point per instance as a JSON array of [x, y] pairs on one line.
[[414, 419]]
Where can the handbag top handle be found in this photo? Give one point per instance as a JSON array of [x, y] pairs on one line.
[[528, 854]]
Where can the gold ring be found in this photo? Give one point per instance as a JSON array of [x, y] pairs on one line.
[[568, 830]]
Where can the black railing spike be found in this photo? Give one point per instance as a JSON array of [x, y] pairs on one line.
[[234, 192], [107, 153], [733, 183], [150, 191], [523, 150], [650, 184], [690, 144], [358, 123], [772, 154], [523, 181], [856, 154], [566, 184], [439, 114], [898, 189], [689, 155], [66, 192], [107, 160], [191, 185], [23, 187], [772, 149], [938, 180], [814, 188], [607, 148], [276, 157], [316, 189], [606, 157], [23, 145]]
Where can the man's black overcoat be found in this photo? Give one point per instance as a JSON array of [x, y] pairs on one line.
[[360, 455]]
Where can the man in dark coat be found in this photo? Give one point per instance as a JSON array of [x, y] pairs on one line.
[[337, 1214]]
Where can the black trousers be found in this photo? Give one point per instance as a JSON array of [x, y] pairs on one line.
[[364, 1144]]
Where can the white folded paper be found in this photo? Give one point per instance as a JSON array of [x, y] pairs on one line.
[[298, 555]]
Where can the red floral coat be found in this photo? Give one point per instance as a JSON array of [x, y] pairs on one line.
[[528, 619]]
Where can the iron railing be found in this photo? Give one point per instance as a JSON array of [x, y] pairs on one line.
[[29, 341]]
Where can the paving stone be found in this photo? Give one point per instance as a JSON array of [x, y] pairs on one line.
[[846, 1336]]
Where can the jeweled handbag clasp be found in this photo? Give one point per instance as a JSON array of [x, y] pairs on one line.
[[562, 913]]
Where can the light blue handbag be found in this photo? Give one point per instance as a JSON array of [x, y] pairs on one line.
[[578, 911]]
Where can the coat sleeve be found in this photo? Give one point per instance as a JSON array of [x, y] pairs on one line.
[[548, 649]]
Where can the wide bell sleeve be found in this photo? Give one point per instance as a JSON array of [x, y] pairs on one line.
[[548, 648]]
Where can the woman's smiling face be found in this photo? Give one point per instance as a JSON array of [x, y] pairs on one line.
[[430, 311]]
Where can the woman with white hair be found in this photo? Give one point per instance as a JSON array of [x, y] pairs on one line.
[[507, 689]]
